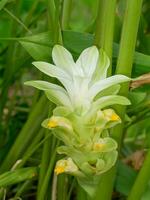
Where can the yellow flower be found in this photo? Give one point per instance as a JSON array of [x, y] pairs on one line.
[[114, 117], [110, 115], [52, 123], [65, 166], [59, 169], [55, 121], [99, 145]]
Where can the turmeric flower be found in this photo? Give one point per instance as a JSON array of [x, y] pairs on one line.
[[80, 119], [82, 80]]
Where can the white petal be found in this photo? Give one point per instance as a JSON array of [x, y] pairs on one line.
[[51, 70], [108, 82], [110, 100], [54, 71], [55, 93], [88, 60], [63, 59], [102, 67], [79, 96]]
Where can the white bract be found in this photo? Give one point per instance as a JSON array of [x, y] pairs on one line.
[[82, 81]]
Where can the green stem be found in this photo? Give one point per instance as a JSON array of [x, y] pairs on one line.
[[45, 157], [51, 14], [99, 32], [126, 51], [27, 133], [35, 141], [105, 27], [30, 153], [81, 194], [141, 181], [53, 19], [44, 163], [124, 66], [66, 11], [125, 58], [105, 186], [23, 188], [71, 189], [104, 38], [62, 187], [17, 176], [109, 30], [44, 186]]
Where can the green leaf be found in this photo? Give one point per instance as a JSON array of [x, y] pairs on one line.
[[37, 51], [125, 178], [40, 46], [136, 97], [17, 176], [3, 3], [146, 194], [76, 42]]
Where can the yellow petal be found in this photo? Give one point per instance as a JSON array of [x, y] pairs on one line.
[[98, 146], [59, 169], [114, 117], [52, 124]]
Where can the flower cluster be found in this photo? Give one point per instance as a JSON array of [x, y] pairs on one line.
[[83, 117]]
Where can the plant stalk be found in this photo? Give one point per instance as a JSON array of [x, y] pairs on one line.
[[66, 11], [104, 38], [53, 19], [44, 186], [124, 66]]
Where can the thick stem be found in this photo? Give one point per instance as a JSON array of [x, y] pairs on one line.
[[105, 27], [99, 32], [45, 157], [105, 186], [62, 187], [109, 29], [127, 48], [125, 58], [44, 186], [104, 38], [66, 11], [44, 163], [51, 14]]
